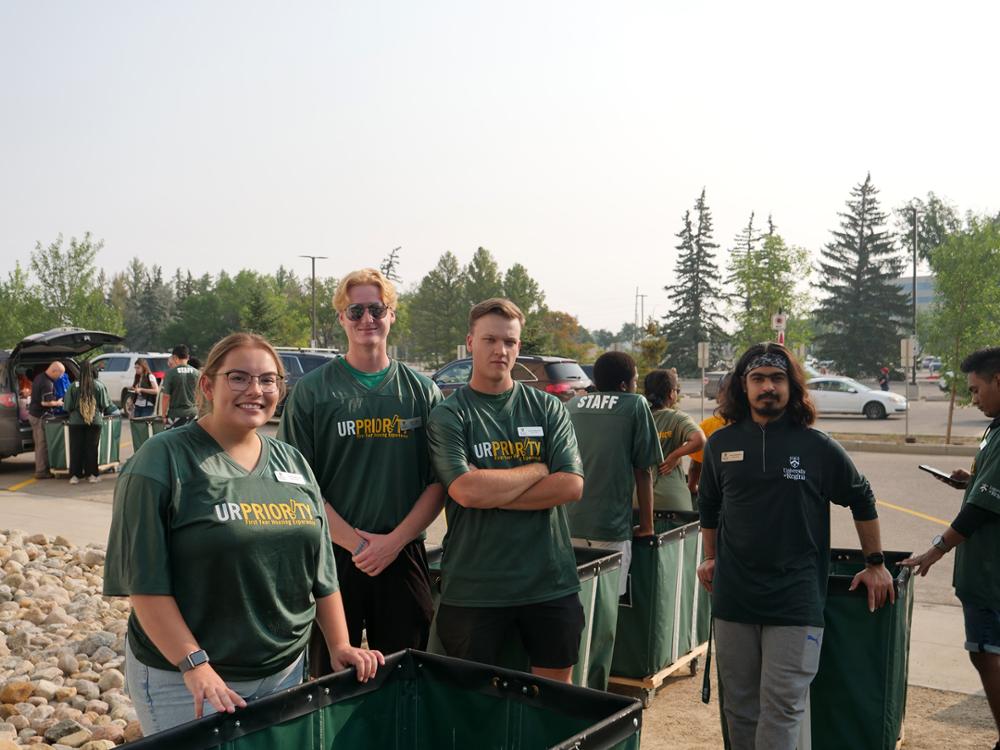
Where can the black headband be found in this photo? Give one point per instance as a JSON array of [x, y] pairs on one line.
[[768, 359]]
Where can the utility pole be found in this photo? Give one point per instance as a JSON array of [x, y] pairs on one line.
[[313, 258], [635, 317], [642, 310], [914, 363]]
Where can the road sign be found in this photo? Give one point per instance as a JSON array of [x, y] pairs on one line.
[[778, 321], [906, 349], [703, 355]]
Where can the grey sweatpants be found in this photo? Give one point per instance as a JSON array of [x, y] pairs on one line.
[[41, 449], [765, 672]]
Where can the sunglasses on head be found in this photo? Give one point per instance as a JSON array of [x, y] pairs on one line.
[[356, 311]]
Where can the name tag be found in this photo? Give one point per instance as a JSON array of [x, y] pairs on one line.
[[284, 476], [728, 456], [529, 432], [410, 424]]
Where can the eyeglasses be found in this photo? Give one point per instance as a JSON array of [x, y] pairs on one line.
[[240, 381], [357, 310]]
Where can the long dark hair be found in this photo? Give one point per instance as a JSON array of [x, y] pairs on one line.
[[736, 406], [659, 386]]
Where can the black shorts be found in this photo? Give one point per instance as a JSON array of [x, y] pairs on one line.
[[393, 609], [550, 631]]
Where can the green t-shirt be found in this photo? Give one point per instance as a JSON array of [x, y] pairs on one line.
[[367, 446], [101, 398], [368, 379], [245, 554], [977, 559], [617, 435], [495, 557], [670, 491], [181, 384]]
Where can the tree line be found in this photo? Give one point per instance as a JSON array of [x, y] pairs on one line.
[[848, 308]]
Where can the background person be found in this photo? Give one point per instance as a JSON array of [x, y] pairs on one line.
[[679, 436], [975, 533], [507, 455], [883, 379], [219, 539], [145, 388], [361, 423], [180, 386], [87, 401], [708, 425], [620, 451], [764, 501], [43, 401]]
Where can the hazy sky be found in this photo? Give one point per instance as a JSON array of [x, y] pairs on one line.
[[568, 136]]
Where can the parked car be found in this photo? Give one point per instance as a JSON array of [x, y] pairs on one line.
[[297, 363], [833, 394], [35, 353], [117, 370], [712, 382], [559, 376]]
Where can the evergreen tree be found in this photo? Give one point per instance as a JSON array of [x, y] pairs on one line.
[[482, 277], [743, 263], [862, 307], [695, 314], [439, 313], [522, 290], [390, 265]]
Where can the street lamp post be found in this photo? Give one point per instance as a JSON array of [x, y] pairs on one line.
[[313, 258]]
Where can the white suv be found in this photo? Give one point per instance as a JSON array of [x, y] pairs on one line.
[[117, 370]]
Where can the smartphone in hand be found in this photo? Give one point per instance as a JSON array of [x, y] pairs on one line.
[[943, 476]]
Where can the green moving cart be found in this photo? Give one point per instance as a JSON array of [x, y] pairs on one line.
[[858, 698], [664, 618], [57, 443], [143, 428], [419, 701], [599, 571]]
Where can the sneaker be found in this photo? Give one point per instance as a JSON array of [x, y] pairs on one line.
[[93, 480], [74, 480]]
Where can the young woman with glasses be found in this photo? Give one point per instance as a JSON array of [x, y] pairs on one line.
[[679, 436], [219, 538]]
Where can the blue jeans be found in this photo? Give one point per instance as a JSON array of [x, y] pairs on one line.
[[982, 629], [162, 700], [143, 411]]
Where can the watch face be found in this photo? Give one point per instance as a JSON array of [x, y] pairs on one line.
[[197, 658]]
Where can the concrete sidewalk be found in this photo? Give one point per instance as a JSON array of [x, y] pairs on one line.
[[937, 658]]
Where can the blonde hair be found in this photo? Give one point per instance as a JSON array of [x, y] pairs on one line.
[[495, 306], [218, 354], [364, 277]]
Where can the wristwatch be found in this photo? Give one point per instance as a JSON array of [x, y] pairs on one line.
[[941, 544], [192, 660], [875, 558]]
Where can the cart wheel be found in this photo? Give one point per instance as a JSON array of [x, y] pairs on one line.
[[647, 698], [693, 666]]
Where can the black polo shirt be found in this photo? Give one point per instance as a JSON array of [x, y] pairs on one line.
[[43, 388], [768, 489]]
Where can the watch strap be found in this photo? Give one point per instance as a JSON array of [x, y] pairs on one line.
[[192, 660], [940, 543], [875, 558]]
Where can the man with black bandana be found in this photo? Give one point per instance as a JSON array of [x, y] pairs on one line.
[[764, 499], [975, 533]]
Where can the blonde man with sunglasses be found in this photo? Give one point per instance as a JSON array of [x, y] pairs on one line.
[[361, 421]]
